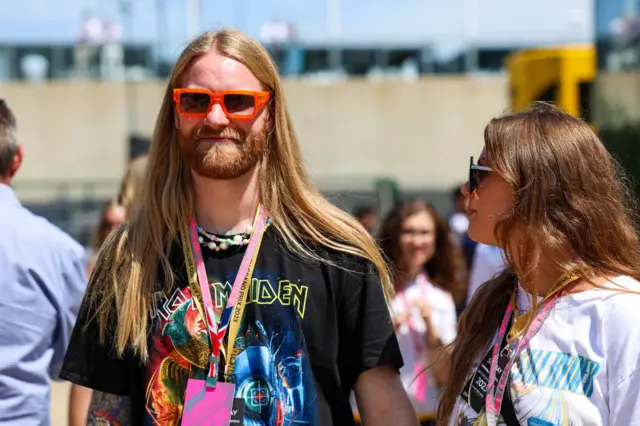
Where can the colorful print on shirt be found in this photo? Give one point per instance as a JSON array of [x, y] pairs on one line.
[[545, 389], [272, 372]]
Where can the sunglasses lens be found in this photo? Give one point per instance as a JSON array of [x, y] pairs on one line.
[[194, 103], [239, 104], [475, 177]]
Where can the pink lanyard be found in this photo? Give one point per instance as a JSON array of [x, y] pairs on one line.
[[421, 283], [217, 333], [493, 398]]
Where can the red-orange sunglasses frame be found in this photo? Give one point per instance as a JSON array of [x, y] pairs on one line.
[[260, 100]]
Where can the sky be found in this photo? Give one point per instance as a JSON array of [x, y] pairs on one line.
[[498, 22]]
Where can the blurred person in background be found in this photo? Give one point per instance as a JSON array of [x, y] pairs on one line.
[[89, 38], [42, 280], [426, 265], [132, 183], [111, 52], [367, 217], [458, 221], [554, 339], [459, 225], [113, 215], [225, 179], [488, 262]]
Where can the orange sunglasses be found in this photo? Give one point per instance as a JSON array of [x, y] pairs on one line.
[[236, 104]]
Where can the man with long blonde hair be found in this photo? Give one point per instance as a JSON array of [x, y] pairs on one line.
[[236, 294]]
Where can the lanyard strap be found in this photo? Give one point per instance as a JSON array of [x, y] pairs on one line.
[[199, 284], [519, 322], [493, 400], [421, 282]]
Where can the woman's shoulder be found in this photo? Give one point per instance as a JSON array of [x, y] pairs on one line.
[[619, 324], [620, 294], [621, 297]]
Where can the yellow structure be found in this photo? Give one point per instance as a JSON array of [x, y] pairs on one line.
[[562, 75]]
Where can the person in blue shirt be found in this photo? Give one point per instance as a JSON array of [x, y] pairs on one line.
[[42, 282]]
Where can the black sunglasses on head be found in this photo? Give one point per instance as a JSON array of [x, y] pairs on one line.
[[476, 175]]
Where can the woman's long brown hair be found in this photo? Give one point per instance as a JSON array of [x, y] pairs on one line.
[[446, 268], [568, 194]]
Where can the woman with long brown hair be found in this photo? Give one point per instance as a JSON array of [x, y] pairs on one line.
[[553, 340], [111, 217], [428, 268]]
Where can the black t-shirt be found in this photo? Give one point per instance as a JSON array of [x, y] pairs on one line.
[[309, 329]]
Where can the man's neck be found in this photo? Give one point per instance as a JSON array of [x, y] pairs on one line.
[[226, 206]]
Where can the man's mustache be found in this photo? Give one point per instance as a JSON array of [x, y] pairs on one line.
[[208, 132]]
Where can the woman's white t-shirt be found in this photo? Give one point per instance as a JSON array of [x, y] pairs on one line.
[[420, 386], [581, 368]]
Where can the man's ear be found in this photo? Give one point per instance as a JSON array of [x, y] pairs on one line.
[[271, 118], [17, 162], [270, 125]]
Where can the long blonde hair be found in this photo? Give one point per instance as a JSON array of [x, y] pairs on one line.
[[569, 193], [124, 279]]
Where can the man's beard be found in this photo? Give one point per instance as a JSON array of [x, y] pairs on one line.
[[222, 160]]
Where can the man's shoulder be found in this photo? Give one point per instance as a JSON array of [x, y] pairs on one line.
[[31, 229], [345, 263], [59, 237]]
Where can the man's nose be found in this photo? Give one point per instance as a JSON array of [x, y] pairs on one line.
[[217, 117]]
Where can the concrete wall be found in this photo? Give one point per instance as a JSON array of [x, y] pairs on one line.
[[420, 133]]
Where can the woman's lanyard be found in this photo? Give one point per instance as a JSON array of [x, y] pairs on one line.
[[493, 399], [199, 285]]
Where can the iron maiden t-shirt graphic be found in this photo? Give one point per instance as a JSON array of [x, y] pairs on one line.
[[272, 372]]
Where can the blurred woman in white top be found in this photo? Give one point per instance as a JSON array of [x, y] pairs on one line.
[[428, 267]]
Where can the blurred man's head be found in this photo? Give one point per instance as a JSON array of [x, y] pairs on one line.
[[367, 218], [459, 200], [10, 150]]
